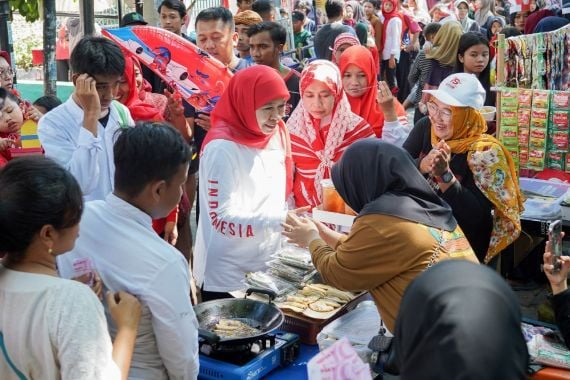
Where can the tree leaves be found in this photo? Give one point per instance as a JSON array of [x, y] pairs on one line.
[[29, 9]]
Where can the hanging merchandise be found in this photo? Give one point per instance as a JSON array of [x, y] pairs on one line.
[[539, 60]]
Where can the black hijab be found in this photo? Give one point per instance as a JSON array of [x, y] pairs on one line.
[[460, 320], [375, 177]]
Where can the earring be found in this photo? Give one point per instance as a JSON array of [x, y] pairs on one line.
[[50, 251]]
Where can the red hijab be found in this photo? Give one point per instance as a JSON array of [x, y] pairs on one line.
[[139, 109], [387, 16], [233, 117], [364, 105]]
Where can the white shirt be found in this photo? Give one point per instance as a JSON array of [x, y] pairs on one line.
[[130, 256], [88, 158], [242, 203], [52, 329], [396, 132], [393, 41]]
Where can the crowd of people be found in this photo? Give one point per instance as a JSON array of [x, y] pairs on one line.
[[107, 206]]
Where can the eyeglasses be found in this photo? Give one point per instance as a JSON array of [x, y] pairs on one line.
[[434, 110], [6, 73]]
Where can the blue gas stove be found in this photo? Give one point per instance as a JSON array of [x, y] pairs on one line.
[[250, 361]]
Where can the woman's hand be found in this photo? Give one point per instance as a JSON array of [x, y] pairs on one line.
[[557, 278], [93, 280], [385, 100], [441, 158], [392, 63], [171, 233], [426, 163], [174, 105], [125, 309], [330, 237], [300, 231]]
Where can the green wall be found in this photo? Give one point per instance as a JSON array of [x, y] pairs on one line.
[[31, 89]]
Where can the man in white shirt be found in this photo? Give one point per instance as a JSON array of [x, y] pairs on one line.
[[80, 133], [117, 238]]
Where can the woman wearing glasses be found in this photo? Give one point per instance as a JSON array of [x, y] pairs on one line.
[[470, 170]]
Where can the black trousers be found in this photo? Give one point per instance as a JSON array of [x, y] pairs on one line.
[[389, 74]]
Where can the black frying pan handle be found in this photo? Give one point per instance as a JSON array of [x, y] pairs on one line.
[[210, 337], [271, 294]]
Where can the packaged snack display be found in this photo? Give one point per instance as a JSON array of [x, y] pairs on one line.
[[540, 98], [539, 118], [560, 100], [556, 160], [509, 135], [559, 119]]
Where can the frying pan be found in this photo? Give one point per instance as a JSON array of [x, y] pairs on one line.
[[265, 317]]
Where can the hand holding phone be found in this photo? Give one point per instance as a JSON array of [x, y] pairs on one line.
[[555, 238]]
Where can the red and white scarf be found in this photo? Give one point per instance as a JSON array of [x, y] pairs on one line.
[[315, 147]]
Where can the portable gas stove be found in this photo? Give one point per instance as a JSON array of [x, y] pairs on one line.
[[248, 361]]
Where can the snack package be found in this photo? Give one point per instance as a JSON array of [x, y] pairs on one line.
[[540, 98], [556, 160], [560, 100], [524, 137], [270, 282], [539, 118], [524, 118], [509, 116], [559, 120], [524, 98], [523, 158], [536, 158], [508, 135], [558, 140], [509, 98], [567, 163], [537, 138]]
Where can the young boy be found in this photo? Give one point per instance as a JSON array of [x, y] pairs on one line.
[[151, 163], [243, 21], [302, 36], [80, 134]]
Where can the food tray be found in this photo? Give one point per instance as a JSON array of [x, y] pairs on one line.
[[308, 328]]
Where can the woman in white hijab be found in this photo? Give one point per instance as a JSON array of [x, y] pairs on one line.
[[462, 11]]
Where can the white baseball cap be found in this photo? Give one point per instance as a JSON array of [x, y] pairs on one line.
[[460, 90]]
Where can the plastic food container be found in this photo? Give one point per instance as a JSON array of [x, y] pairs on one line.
[[488, 112], [331, 199]]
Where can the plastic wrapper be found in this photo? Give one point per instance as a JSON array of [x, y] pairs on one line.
[[555, 160], [300, 258], [560, 100], [289, 272], [540, 98], [524, 98], [508, 135], [267, 281], [559, 120], [358, 326], [539, 118]]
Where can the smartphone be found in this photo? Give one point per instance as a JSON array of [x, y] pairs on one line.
[[555, 237]]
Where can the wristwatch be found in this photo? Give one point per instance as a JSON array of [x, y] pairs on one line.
[[446, 177]]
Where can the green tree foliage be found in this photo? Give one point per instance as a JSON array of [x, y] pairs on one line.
[[29, 9]]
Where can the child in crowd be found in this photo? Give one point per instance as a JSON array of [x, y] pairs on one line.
[[473, 58], [391, 41], [46, 103], [420, 70], [10, 123]]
